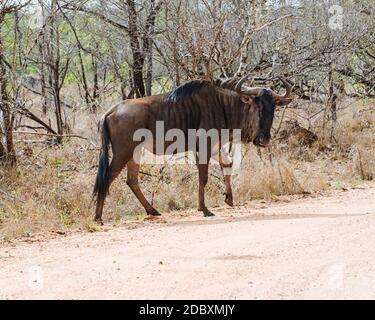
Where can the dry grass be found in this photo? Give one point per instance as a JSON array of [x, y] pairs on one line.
[[51, 188], [267, 179]]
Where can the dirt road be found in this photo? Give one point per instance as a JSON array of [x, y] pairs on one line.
[[307, 248]]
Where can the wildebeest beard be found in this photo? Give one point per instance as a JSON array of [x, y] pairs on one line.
[[266, 107]]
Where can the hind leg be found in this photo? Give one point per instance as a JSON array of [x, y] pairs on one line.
[[132, 182], [116, 166], [99, 209]]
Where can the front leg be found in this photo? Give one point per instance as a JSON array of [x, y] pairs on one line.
[[228, 191], [228, 188], [203, 178], [226, 164]]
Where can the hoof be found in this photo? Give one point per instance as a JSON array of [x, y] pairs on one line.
[[229, 201], [207, 213], [99, 221], [153, 212]]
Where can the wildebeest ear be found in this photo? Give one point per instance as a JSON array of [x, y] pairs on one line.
[[246, 98]]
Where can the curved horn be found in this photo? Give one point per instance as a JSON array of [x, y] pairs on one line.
[[228, 83], [288, 91], [240, 82]]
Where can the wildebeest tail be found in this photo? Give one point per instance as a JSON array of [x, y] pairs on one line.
[[102, 177]]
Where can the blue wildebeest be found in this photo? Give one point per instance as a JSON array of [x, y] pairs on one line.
[[196, 105]]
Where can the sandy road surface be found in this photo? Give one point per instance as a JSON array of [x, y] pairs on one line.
[[307, 248]]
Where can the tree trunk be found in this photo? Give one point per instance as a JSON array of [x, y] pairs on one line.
[[44, 92], [148, 44], [43, 81], [95, 93], [149, 74], [138, 56], [54, 67], [332, 97], [2, 149], [7, 152]]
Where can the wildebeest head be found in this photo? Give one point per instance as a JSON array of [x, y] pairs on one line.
[[264, 101]]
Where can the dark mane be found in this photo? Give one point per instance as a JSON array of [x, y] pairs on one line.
[[185, 91]]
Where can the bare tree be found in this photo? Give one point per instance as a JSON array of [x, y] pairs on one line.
[[7, 116], [140, 34]]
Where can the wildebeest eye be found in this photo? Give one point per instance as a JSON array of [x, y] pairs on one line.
[[246, 99]]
